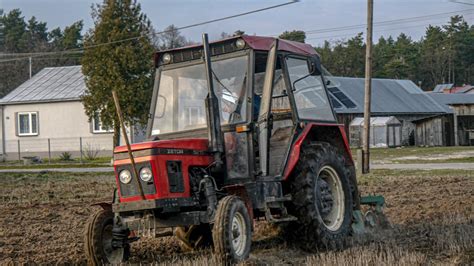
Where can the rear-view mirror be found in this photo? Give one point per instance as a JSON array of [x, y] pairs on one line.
[[314, 65]]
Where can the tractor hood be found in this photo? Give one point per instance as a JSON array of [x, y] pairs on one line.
[[199, 144]]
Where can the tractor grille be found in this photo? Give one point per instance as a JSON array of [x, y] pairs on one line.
[[131, 189]]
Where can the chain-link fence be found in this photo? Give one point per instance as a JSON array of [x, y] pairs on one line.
[[47, 149]]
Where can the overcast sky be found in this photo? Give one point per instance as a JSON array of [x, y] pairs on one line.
[[304, 15]]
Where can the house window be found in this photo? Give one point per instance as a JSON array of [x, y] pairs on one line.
[[27, 124], [193, 116], [98, 127]]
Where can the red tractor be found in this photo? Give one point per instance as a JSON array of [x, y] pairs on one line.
[[240, 129]]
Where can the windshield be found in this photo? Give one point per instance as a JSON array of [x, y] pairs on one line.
[[310, 96], [182, 91]]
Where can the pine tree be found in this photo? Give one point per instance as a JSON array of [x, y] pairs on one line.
[[123, 66], [294, 35], [14, 32], [434, 57], [72, 37]]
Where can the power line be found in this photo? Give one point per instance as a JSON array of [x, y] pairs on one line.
[[381, 30], [460, 2], [42, 53], [79, 50], [385, 23], [38, 58], [308, 32]]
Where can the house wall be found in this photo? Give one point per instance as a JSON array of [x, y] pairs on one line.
[[62, 126]]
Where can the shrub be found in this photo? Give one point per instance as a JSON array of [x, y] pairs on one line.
[[90, 152], [65, 156]]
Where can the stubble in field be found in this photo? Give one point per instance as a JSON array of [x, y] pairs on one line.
[[42, 218]]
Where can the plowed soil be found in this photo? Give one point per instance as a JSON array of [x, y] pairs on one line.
[[42, 217]]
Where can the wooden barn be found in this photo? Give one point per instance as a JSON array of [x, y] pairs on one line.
[[401, 99], [434, 131], [461, 107]]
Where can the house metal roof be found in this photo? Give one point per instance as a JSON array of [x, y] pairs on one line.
[[51, 84], [442, 87], [389, 96], [464, 89]]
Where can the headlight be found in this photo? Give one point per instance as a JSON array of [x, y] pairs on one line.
[[145, 174], [166, 58], [125, 176], [240, 43]]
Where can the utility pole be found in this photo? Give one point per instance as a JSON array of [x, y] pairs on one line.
[[368, 89], [30, 65]]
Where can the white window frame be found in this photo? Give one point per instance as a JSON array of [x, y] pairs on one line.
[[189, 121], [30, 124], [100, 130]]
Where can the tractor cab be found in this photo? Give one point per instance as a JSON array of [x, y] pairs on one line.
[[238, 68], [239, 129]]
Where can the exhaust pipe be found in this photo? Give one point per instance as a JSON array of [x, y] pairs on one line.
[[215, 135]]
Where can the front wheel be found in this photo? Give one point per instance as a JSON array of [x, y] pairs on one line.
[[98, 240], [232, 232]]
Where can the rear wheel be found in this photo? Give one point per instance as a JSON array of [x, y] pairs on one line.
[[98, 240], [232, 230], [322, 198]]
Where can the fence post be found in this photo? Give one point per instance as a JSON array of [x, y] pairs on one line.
[[19, 153], [80, 147], [49, 151], [359, 164]]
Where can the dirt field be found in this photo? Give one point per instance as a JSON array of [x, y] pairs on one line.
[[42, 218]]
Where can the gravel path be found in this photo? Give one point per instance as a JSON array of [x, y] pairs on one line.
[[69, 170], [424, 166], [401, 166]]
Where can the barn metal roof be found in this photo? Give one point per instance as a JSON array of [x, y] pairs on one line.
[[453, 98], [49, 85], [389, 96]]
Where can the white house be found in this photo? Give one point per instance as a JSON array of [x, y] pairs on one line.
[[45, 117]]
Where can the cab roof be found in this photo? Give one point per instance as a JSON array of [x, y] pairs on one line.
[[264, 43], [260, 43]]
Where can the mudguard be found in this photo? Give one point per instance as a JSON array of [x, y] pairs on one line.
[[332, 133]]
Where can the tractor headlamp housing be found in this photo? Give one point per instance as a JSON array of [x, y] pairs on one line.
[[240, 43], [146, 174], [125, 176], [196, 52], [166, 58]]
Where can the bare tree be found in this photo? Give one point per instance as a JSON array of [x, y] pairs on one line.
[[172, 38], [225, 35]]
